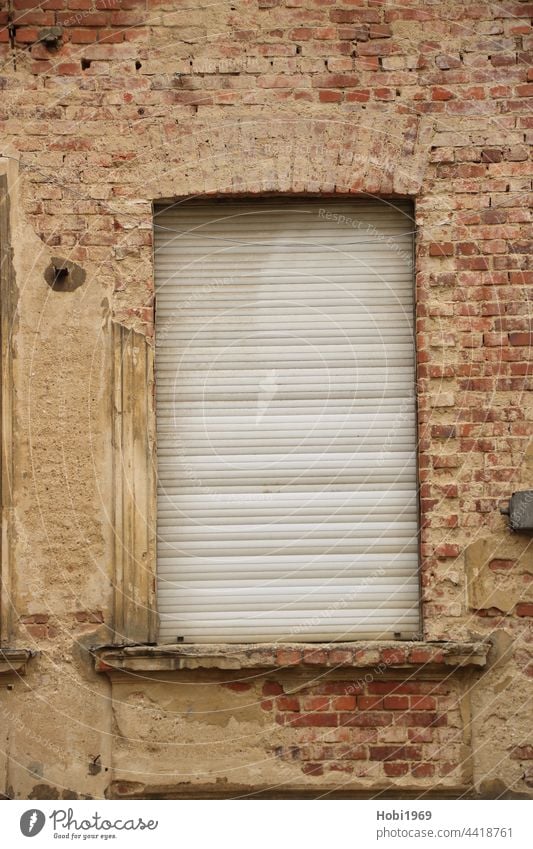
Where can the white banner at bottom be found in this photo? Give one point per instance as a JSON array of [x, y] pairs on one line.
[[265, 824]]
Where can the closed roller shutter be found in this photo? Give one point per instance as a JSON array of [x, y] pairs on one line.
[[287, 506]]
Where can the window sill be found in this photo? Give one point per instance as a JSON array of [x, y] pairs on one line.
[[393, 655], [14, 661]]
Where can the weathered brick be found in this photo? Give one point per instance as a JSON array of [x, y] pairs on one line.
[[288, 703], [521, 339], [524, 609], [423, 770], [272, 688], [395, 753], [441, 249]]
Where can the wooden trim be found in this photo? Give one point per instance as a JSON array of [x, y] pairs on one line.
[[134, 574], [8, 302]]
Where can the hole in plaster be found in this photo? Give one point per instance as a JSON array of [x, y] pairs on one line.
[[62, 275]]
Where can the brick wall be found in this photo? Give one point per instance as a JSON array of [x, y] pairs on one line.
[[378, 730], [145, 100]]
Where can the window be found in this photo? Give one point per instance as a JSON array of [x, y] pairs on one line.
[[286, 426]]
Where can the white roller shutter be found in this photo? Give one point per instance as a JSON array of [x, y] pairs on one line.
[[287, 505]]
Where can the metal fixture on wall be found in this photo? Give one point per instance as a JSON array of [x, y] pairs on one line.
[[519, 508]]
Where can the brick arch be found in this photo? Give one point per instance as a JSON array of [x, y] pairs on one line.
[[372, 154]]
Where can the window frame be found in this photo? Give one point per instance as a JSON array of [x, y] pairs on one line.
[[135, 614]]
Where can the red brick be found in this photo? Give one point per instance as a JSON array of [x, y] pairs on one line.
[[380, 31], [26, 35], [354, 33], [35, 619], [369, 702], [467, 248], [441, 249], [81, 36], [384, 94], [272, 688], [423, 703], [420, 656], [443, 431], [68, 68], [110, 36], [359, 96], [35, 18], [95, 616], [441, 93], [420, 735], [288, 703], [312, 720], [301, 34], [524, 609], [127, 19], [316, 657], [41, 67], [405, 687], [525, 90], [521, 339], [495, 339], [39, 632], [393, 657], [330, 96], [404, 14], [423, 770], [522, 753], [91, 19], [339, 688], [395, 769], [396, 703], [288, 657], [237, 686], [395, 753], [344, 703], [315, 703], [352, 753], [422, 719], [325, 33], [491, 155], [358, 16], [308, 768], [500, 565], [365, 719], [447, 549], [336, 81], [340, 657]]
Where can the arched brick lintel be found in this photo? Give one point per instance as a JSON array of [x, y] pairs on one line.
[[376, 155]]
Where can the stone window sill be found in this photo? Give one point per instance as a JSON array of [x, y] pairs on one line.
[[14, 661], [394, 655]]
